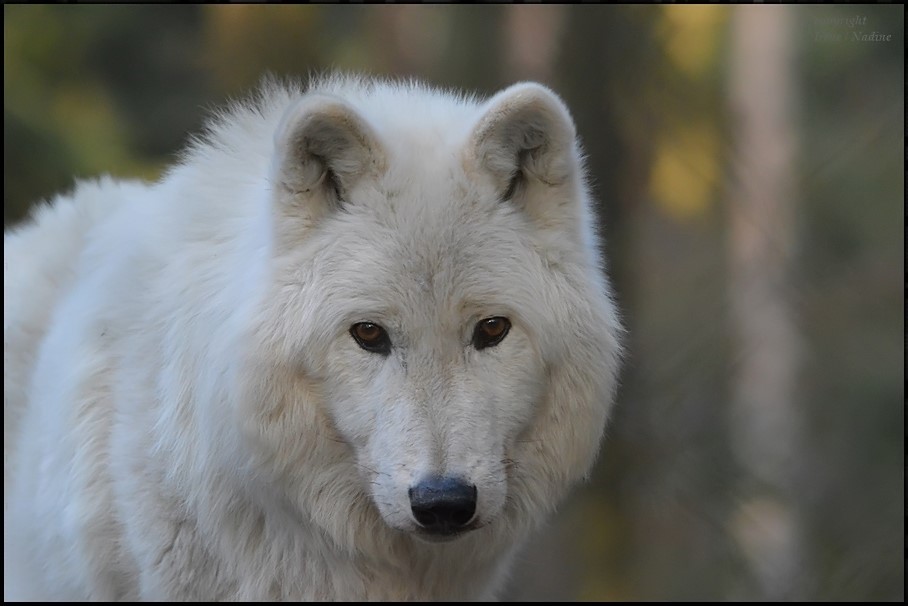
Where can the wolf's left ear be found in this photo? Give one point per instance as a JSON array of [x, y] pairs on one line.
[[323, 148], [526, 140]]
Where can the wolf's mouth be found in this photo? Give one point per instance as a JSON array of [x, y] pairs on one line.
[[445, 535]]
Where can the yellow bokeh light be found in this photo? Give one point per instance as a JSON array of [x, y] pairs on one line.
[[691, 35], [685, 171]]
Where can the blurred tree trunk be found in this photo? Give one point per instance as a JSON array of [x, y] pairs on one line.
[[532, 34], [409, 36], [765, 420]]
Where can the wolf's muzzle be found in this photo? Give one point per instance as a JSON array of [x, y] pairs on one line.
[[443, 506]]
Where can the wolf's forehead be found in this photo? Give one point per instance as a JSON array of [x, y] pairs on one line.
[[437, 252], [413, 117], [452, 260]]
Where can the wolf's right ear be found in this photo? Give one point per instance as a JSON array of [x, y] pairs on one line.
[[526, 140], [323, 147]]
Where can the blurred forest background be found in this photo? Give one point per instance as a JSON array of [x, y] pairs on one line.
[[749, 164]]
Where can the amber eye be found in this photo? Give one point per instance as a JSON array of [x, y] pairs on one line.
[[371, 337], [490, 332]]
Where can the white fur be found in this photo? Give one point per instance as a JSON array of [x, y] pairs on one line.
[[186, 413]]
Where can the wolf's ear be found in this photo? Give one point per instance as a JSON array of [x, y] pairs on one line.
[[526, 140], [323, 147]]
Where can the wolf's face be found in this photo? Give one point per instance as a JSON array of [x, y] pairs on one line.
[[433, 366], [439, 291]]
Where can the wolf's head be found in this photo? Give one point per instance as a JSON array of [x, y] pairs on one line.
[[438, 343]]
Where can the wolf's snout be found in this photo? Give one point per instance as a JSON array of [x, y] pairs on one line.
[[443, 505]]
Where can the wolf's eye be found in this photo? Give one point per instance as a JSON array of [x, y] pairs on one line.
[[490, 332], [371, 337]]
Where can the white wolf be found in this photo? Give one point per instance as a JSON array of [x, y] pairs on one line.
[[355, 345]]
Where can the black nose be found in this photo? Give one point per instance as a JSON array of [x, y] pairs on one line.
[[443, 505]]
